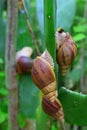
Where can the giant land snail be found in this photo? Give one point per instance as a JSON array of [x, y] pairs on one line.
[[44, 77]]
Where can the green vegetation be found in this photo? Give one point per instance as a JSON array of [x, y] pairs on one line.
[[45, 18]]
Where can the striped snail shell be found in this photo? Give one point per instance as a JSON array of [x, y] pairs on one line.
[[53, 109], [43, 75], [66, 51]]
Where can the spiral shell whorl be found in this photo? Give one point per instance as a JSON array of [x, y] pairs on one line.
[[50, 91], [53, 108], [48, 58]]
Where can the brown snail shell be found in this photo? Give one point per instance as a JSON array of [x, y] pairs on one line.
[[53, 109], [66, 52], [44, 77]]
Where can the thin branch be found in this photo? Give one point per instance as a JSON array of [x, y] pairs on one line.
[[11, 80], [30, 29]]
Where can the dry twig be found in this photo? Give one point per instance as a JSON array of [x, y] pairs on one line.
[[30, 29]]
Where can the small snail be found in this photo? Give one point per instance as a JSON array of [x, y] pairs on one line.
[[66, 50], [23, 61], [43, 75]]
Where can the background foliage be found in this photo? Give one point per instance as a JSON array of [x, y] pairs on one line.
[[70, 15]]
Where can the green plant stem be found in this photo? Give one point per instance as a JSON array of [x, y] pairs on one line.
[[49, 27], [11, 80]]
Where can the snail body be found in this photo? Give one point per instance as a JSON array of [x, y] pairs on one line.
[[66, 51], [24, 65], [23, 61]]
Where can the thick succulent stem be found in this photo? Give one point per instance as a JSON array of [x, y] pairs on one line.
[[11, 80]]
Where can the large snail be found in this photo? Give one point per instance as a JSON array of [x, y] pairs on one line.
[[44, 77]]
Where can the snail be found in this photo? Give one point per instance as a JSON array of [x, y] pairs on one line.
[[44, 77], [66, 50], [23, 61]]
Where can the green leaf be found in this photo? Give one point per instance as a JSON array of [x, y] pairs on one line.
[[24, 38], [3, 91], [28, 96], [79, 37], [21, 120], [1, 7], [64, 17], [1, 61], [80, 28], [3, 116], [2, 74], [3, 30], [2, 37], [65, 13], [74, 105]]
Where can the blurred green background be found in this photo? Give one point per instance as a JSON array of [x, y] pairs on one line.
[[71, 15]]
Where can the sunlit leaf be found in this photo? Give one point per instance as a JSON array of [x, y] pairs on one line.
[[3, 116], [21, 120], [2, 74], [79, 37], [3, 91], [80, 28]]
